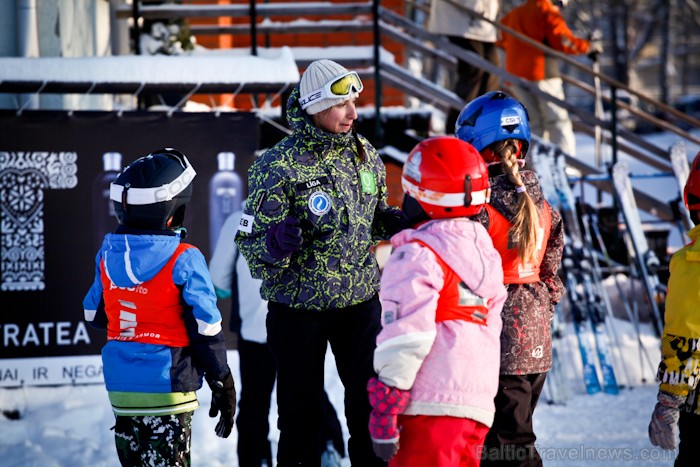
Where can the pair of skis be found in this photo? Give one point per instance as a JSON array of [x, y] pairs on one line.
[[644, 259], [586, 294]]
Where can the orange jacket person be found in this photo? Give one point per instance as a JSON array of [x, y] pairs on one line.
[[543, 22]]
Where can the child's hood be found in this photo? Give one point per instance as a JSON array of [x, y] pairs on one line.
[[132, 259], [465, 246]]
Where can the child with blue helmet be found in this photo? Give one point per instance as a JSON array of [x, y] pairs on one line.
[[528, 233]]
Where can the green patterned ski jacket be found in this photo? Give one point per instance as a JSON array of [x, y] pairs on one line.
[[317, 177]]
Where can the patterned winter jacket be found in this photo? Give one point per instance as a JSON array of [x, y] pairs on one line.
[[541, 21], [341, 200], [156, 300], [526, 340], [680, 343], [451, 366]]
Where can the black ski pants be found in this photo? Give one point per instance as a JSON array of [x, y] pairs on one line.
[[154, 440], [689, 427], [298, 340], [511, 439], [257, 380]]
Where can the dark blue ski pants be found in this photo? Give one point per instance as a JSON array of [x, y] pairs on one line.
[[298, 340]]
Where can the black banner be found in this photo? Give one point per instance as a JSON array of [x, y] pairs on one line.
[[55, 169]]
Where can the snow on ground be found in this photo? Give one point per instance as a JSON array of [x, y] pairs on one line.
[[70, 425], [604, 429], [600, 430]]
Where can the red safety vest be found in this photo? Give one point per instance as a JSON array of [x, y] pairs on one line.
[[456, 300], [514, 271], [151, 312]]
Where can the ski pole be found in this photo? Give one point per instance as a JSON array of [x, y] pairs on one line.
[[630, 314], [598, 278]]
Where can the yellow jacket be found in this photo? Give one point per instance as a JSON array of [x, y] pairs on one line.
[[680, 343]]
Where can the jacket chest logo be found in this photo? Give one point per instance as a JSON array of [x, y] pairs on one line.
[[319, 203]]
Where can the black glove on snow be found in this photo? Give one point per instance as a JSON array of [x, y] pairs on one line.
[[223, 399]]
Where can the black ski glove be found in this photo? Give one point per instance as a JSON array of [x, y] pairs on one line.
[[393, 221], [223, 399]]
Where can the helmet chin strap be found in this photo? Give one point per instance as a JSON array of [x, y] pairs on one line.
[[179, 231], [415, 212], [467, 191], [124, 203]]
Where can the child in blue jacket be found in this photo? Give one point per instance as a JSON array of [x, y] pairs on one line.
[[154, 296]]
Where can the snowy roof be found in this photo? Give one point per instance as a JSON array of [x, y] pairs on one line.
[[269, 71]]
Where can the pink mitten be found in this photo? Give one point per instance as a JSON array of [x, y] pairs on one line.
[[387, 403]]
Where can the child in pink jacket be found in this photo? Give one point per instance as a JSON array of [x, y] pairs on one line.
[[438, 354]]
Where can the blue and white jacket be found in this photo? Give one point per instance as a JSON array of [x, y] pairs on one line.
[[145, 373]]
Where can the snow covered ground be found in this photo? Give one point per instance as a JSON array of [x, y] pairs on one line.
[[604, 429], [70, 425]]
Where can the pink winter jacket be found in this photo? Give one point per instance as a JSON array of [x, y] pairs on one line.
[[450, 367]]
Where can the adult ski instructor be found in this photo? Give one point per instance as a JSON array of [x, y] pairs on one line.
[[317, 204]]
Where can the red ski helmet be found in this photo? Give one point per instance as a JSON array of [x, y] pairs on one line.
[[447, 177], [691, 192]]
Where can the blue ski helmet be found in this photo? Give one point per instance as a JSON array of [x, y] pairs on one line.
[[491, 117]]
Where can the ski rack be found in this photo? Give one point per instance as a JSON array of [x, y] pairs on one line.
[[590, 305], [632, 314]]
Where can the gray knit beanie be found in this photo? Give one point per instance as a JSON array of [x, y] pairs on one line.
[[315, 76]]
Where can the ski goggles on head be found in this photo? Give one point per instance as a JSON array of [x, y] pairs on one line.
[[341, 86]]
